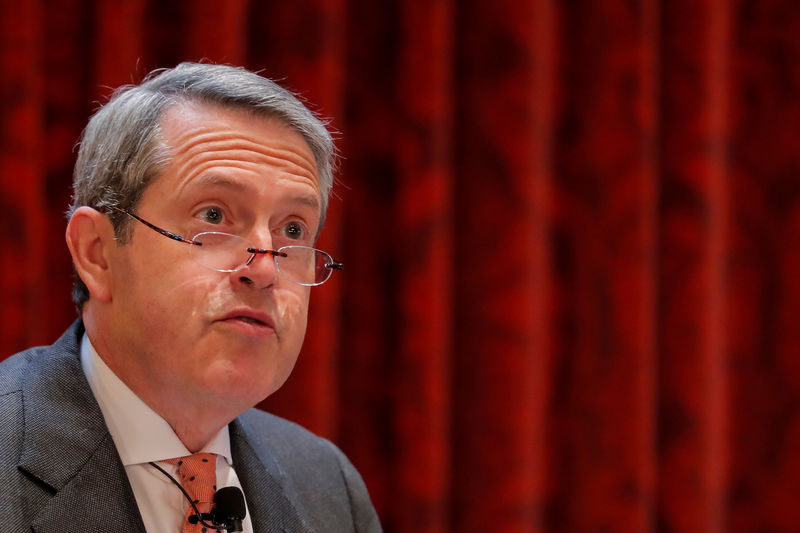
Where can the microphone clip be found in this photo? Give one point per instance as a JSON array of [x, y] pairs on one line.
[[228, 523], [195, 518]]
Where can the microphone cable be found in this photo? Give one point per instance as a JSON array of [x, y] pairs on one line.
[[229, 524]]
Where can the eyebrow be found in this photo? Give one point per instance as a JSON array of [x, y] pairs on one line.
[[309, 201], [218, 180]]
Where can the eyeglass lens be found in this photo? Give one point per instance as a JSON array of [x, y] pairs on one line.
[[228, 253]]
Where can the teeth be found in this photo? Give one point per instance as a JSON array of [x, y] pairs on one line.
[[248, 319]]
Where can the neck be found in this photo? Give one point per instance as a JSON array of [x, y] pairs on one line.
[[193, 435], [195, 420]]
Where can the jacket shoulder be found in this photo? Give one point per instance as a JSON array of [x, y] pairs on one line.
[[12, 369]]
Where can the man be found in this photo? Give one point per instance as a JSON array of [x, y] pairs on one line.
[[198, 198]]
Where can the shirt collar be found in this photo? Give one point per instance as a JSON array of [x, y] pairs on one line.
[[140, 434]]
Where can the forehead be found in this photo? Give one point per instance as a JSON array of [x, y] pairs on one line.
[[199, 136]]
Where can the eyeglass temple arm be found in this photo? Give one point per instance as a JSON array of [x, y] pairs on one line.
[[163, 232], [334, 266]]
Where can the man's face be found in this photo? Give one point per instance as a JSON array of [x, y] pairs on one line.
[[191, 332]]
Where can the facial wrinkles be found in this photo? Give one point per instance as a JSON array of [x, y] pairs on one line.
[[217, 305], [211, 148], [289, 309], [212, 164]]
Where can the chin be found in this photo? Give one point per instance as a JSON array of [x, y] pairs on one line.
[[248, 373], [242, 388]]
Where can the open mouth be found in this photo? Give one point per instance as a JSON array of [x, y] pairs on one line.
[[250, 320], [249, 325]]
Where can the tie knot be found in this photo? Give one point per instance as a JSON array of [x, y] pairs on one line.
[[197, 474]]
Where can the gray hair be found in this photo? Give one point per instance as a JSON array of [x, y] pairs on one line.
[[121, 149]]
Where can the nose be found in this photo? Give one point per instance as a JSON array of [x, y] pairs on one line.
[[260, 271]]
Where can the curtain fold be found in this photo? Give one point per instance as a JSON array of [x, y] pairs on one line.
[[693, 230], [502, 271], [570, 297], [22, 171]]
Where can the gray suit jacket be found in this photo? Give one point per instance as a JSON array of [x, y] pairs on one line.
[[60, 471]]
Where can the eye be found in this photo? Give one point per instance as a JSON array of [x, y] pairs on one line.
[[294, 230], [212, 215]]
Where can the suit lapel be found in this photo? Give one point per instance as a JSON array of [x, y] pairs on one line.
[[267, 502], [97, 498], [67, 448]]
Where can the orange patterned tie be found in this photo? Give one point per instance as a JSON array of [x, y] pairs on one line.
[[198, 475]]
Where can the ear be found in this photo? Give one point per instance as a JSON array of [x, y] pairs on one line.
[[90, 237]]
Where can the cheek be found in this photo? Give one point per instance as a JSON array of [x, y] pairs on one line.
[[292, 310], [157, 293]]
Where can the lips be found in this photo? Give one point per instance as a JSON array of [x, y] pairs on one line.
[[249, 320]]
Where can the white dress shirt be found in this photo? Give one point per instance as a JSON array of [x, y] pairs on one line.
[[140, 436]]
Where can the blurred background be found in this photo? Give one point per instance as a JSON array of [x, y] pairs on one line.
[[570, 300]]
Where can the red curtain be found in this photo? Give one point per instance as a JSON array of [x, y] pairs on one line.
[[571, 296]]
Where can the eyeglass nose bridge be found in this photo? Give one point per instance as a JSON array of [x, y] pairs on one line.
[[262, 251]]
